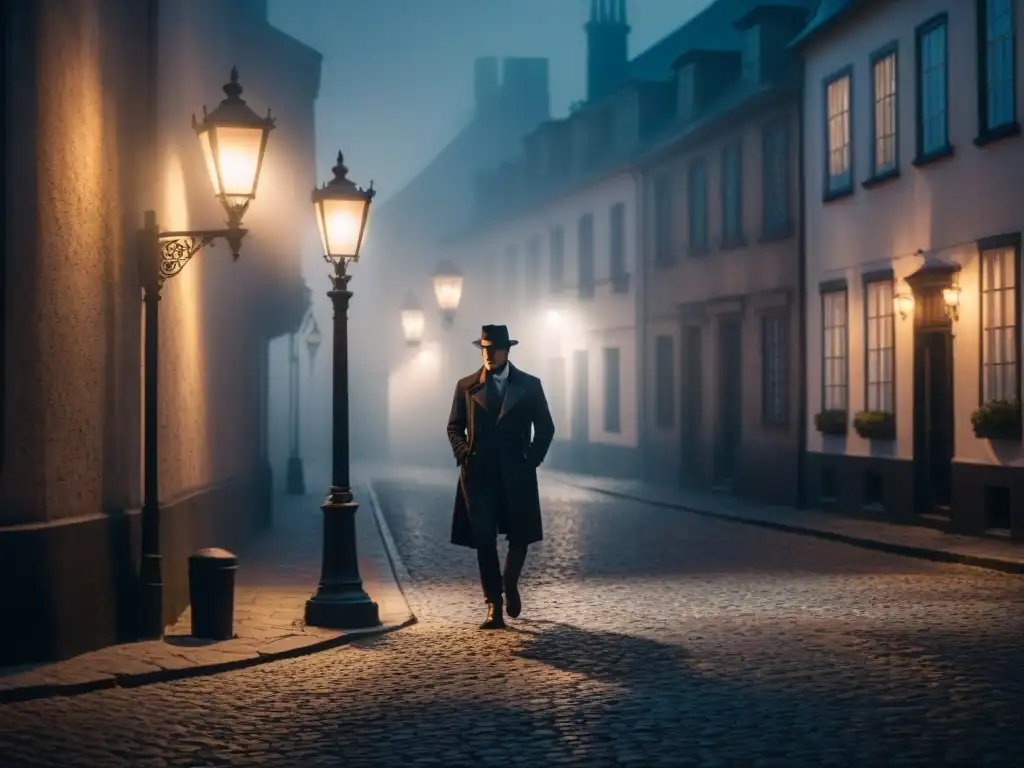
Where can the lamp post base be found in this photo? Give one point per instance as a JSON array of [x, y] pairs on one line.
[[296, 477], [340, 601]]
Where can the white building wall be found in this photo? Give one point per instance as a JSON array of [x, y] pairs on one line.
[[941, 208]]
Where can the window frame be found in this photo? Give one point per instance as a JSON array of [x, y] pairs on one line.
[[585, 278], [702, 164], [664, 234], [732, 239], [940, 20], [664, 391], [883, 174], [999, 242], [782, 317], [782, 228], [988, 133], [826, 290], [617, 271], [837, 192], [880, 277], [556, 259], [612, 421]]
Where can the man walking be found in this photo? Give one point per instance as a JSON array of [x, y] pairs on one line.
[[500, 429]]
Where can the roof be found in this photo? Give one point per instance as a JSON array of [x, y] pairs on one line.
[[828, 13]]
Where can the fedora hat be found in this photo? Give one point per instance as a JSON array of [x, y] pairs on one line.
[[494, 336]]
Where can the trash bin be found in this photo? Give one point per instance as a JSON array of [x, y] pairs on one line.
[[211, 590]]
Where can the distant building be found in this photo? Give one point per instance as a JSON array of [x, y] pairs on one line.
[[722, 258], [913, 172], [100, 96], [403, 245]]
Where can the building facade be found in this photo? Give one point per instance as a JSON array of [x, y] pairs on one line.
[[100, 99], [722, 260], [913, 170]]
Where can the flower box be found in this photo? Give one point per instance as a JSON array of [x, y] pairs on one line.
[[875, 425], [831, 422], [998, 420]]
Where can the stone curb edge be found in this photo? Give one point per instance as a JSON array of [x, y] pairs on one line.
[[402, 577], [398, 570], [53, 690], [907, 550]]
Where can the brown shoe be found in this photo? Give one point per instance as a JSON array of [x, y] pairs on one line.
[[494, 618]]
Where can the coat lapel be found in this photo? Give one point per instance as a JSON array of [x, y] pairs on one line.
[[514, 392], [478, 391]]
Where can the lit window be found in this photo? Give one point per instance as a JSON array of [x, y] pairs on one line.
[[880, 346], [999, 325], [834, 347], [837, 96], [884, 85]]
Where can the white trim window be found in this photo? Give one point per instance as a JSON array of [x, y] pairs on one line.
[[834, 348], [999, 321], [880, 347], [998, 86], [933, 86], [884, 84], [837, 94]]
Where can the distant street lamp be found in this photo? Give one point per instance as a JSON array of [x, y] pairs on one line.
[[414, 321], [309, 330], [234, 139], [447, 280], [340, 601]]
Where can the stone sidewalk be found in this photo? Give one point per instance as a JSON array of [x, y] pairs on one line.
[[909, 540], [276, 575]]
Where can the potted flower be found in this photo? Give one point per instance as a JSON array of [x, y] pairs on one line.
[[831, 421], [875, 425], [998, 420]]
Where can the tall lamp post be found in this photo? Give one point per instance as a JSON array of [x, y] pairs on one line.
[[340, 601], [414, 321], [233, 139], [309, 330]]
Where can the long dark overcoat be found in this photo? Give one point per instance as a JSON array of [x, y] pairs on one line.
[[524, 410]]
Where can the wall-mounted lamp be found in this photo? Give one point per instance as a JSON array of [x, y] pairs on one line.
[[414, 321], [903, 303], [951, 300]]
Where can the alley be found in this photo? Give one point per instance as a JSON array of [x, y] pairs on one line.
[[649, 637]]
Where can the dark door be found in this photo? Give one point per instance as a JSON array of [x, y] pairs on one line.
[[691, 411], [730, 406], [933, 421], [580, 397]]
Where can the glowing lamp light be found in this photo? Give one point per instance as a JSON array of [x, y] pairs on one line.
[[554, 319], [447, 281], [234, 140], [951, 299], [341, 210], [903, 302], [414, 321]]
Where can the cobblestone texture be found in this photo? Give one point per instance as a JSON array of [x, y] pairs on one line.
[[649, 637]]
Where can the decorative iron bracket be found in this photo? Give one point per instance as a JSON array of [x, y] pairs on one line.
[[178, 248]]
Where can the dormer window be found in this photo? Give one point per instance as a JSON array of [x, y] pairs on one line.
[[687, 93], [752, 54]]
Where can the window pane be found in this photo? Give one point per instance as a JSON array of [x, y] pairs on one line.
[[999, 349], [838, 101]]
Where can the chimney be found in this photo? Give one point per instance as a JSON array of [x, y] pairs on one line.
[[485, 85], [607, 47], [525, 95]]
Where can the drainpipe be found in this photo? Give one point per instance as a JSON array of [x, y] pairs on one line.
[[801, 457]]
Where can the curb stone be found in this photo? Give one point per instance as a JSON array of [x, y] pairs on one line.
[[907, 550], [402, 577]]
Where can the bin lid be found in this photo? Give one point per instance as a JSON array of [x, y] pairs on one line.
[[221, 556]]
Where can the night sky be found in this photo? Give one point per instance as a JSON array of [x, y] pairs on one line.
[[398, 74]]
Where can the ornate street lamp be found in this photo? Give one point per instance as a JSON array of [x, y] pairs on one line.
[[234, 139], [447, 280], [414, 321], [308, 328], [340, 601]]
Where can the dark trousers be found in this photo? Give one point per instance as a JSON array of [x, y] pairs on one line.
[[487, 503]]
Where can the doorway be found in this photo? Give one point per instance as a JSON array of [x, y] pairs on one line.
[[691, 422], [730, 405], [933, 421], [580, 397]]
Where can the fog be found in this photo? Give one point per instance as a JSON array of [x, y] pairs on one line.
[[397, 90]]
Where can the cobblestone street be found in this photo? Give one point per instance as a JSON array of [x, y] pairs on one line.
[[649, 636]]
